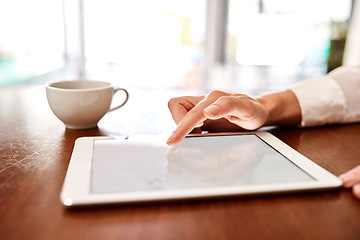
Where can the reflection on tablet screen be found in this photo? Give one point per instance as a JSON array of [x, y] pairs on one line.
[[197, 162]]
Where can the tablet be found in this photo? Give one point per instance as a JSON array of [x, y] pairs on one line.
[[129, 169]]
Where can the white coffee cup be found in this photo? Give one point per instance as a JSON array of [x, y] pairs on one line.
[[80, 104]]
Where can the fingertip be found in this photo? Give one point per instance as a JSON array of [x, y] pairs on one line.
[[173, 139], [341, 177], [356, 191], [347, 179], [170, 141]]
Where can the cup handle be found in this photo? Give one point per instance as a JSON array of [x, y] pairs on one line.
[[126, 98]]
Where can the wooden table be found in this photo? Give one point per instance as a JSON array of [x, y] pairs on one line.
[[35, 150]]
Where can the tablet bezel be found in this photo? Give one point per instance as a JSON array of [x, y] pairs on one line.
[[76, 187]]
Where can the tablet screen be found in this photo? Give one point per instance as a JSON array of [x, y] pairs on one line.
[[197, 162]]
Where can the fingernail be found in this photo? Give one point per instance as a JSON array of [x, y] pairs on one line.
[[168, 142], [170, 138], [212, 110]]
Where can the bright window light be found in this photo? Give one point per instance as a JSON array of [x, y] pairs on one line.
[[31, 39], [144, 43]]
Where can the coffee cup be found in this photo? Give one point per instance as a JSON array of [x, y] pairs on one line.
[[80, 104]]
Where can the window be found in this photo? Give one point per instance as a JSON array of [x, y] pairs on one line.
[[271, 44], [144, 43], [31, 40], [232, 45]]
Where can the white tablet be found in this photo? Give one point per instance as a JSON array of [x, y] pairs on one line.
[[131, 169]]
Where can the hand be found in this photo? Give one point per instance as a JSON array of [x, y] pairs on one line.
[[351, 179], [217, 111]]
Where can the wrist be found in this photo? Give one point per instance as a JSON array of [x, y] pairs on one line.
[[283, 108]]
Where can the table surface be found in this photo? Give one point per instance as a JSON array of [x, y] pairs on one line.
[[35, 150]]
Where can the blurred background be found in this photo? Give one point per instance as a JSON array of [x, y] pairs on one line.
[[231, 45]]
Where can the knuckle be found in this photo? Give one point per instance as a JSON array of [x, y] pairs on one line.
[[172, 102], [243, 97], [228, 100], [216, 93]]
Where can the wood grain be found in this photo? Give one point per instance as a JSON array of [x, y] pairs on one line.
[[35, 149]]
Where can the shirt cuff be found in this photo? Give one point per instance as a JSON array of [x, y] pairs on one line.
[[321, 101]]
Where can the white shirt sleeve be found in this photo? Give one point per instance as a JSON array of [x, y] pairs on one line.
[[333, 98]]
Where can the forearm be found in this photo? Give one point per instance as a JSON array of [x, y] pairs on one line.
[[283, 108]]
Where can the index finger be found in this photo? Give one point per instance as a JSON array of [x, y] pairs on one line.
[[193, 117]]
